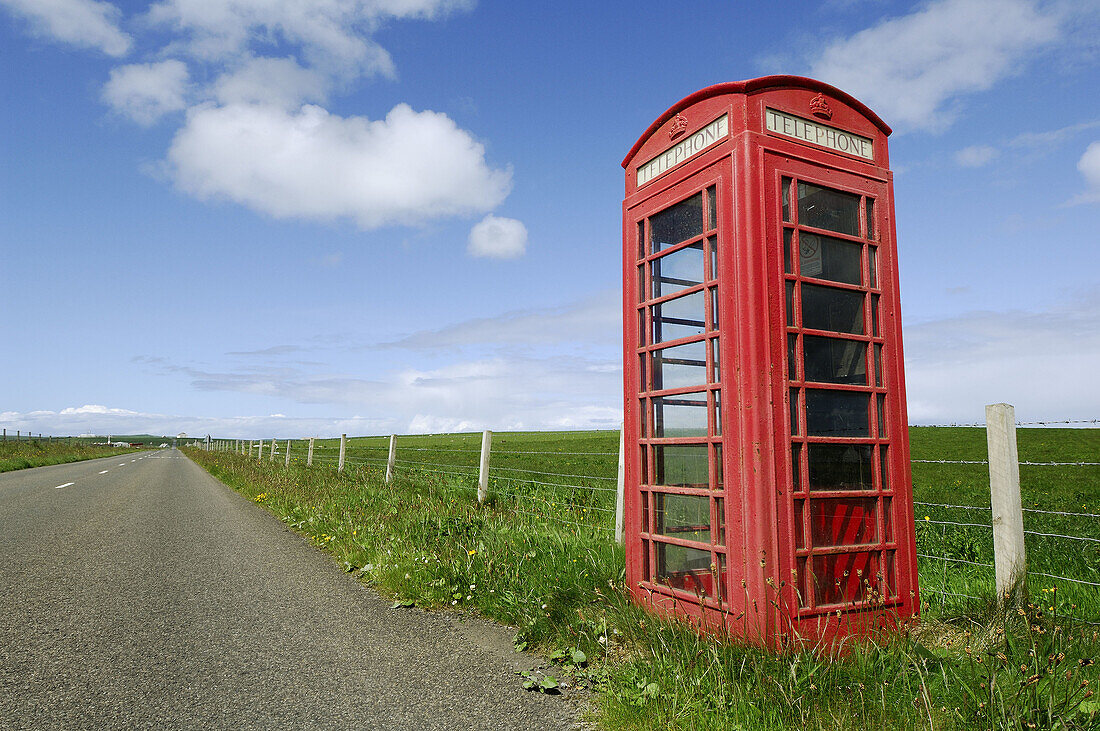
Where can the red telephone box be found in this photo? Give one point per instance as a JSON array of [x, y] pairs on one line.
[[768, 490]]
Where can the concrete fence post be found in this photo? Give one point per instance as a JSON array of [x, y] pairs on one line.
[[392, 458], [483, 472], [343, 450], [274, 447], [1009, 555], [621, 485], [309, 456], [17, 434], [260, 454], [287, 453]]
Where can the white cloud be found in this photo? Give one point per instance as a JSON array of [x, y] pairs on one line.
[[145, 92], [334, 34], [911, 70], [1041, 362], [976, 156], [82, 23], [1089, 166], [405, 169], [498, 238], [280, 82]]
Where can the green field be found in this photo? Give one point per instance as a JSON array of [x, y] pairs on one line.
[[539, 556], [41, 452]]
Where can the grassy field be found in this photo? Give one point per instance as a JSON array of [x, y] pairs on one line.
[[539, 557], [38, 453]]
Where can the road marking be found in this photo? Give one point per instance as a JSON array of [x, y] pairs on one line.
[[103, 472], [65, 485], [121, 464]]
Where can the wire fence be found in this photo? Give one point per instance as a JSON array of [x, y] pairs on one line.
[[955, 543]]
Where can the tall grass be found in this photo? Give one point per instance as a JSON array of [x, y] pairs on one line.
[[423, 540], [19, 455]]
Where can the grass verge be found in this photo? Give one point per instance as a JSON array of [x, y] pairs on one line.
[[423, 540], [38, 453]]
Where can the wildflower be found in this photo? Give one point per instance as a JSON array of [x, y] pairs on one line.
[[471, 552], [927, 518]]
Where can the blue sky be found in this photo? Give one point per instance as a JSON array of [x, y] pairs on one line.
[[258, 218]]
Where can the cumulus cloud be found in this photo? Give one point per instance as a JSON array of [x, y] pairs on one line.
[[498, 238], [405, 169], [334, 34], [145, 92], [81, 23], [1089, 166], [913, 69], [280, 82], [976, 156]]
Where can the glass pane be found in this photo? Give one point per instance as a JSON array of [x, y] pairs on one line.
[[883, 466], [840, 466], [678, 270], [717, 413], [645, 511], [832, 360], [641, 327], [680, 366], [829, 209], [683, 516], [677, 223], [717, 361], [641, 283], [890, 574], [882, 416], [641, 239], [871, 219], [888, 520], [790, 304], [874, 315], [685, 568], [824, 257], [799, 527], [717, 466], [843, 521], [714, 308], [878, 365], [794, 412], [844, 578], [786, 199], [681, 465], [684, 415], [643, 384], [712, 210], [720, 512], [873, 254], [837, 413], [713, 257], [678, 318], [643, 462], [827, 308], [788, 242], [792, 356], [796, 467]]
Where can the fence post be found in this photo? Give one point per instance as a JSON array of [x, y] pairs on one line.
[[483, 473], [287, 453], [309, 457], [1004, 496], [621, 486], [260, 454], [5, 435], [392, 458], [271, 458], [343, 449]]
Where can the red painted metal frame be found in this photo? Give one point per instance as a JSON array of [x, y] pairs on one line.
[[760, 593]]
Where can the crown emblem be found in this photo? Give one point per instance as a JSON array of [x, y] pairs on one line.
[[820, 106], [679, 126]]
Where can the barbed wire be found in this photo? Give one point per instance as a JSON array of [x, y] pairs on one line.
[[949, 522], [559, 484], [945, 505], [950, 593], [1063, 578], [1059, 512], [955, 560], [552, 474], [1060, 535]]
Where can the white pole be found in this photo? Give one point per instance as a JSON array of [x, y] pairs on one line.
[[260, 454], [287, 453], [1004, 495], [274, 446], [392, 458], [621, 484], [309, 457], [483, 473], [343, 449]]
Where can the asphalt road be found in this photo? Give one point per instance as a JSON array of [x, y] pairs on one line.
[[139, 592]]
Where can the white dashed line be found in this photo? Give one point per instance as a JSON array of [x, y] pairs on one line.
[[104, 472], [121, 464], [65, 485]]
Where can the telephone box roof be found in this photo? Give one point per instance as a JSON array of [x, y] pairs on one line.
[[753, 85]]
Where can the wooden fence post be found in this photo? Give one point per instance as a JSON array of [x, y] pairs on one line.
[[1009, 556], [621, 485], [287, 453], [483, 473], [5, 435], [392, 458], [309, 456], [343, 450]]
